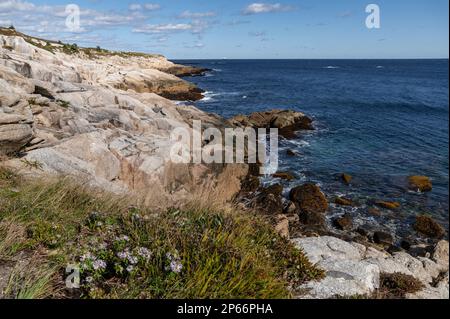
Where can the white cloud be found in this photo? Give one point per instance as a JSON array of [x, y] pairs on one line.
[[32, 18], [257, 8], [197, 27], [152, 6], [163, 28], [146, 6], [197, 45], [135, 7], [196, 15], [16, 5]]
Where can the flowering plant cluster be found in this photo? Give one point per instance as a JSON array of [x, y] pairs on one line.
[[109, 253]]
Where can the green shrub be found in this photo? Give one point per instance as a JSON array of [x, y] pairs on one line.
[[70, 48]]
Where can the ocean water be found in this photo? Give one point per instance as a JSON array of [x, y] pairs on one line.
[[378, 120]]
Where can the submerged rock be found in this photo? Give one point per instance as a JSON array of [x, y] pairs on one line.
[[344, 223], [420, 183], [388, 205], [291, 153], [343, 201], [346, 178], [284, 175], [374, 212]]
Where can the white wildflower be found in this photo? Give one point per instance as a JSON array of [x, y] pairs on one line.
[[99, 264], [123, 255], [176, 266], [132, 259], [144, 253]]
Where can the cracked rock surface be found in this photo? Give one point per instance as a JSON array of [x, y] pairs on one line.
[[353, 269], [105, 120]]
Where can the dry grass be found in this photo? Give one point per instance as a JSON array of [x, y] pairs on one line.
[[32, 278], [397, 286], [392, 286]]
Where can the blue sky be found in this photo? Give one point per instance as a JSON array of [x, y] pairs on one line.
[[190, 29]]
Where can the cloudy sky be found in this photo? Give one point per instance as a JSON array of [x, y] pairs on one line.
[[242, 28]]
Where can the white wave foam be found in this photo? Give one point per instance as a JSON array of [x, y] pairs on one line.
[[332, 67], [300, 143], [208, 96]]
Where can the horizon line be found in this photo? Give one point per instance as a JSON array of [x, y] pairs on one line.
[[231, 59]]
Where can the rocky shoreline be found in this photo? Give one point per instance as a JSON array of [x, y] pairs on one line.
[[106, 117], [356, 259]]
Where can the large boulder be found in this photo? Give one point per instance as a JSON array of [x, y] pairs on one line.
[[347, 274], [441, 253], [16, 125], [311, 203], [286, 121], [14, 137], [13, 82], [353, 269], [309, 198]]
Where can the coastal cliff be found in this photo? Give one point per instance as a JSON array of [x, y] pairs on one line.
[[104, 118]]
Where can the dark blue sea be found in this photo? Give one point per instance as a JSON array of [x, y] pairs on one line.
[[377, 120]]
